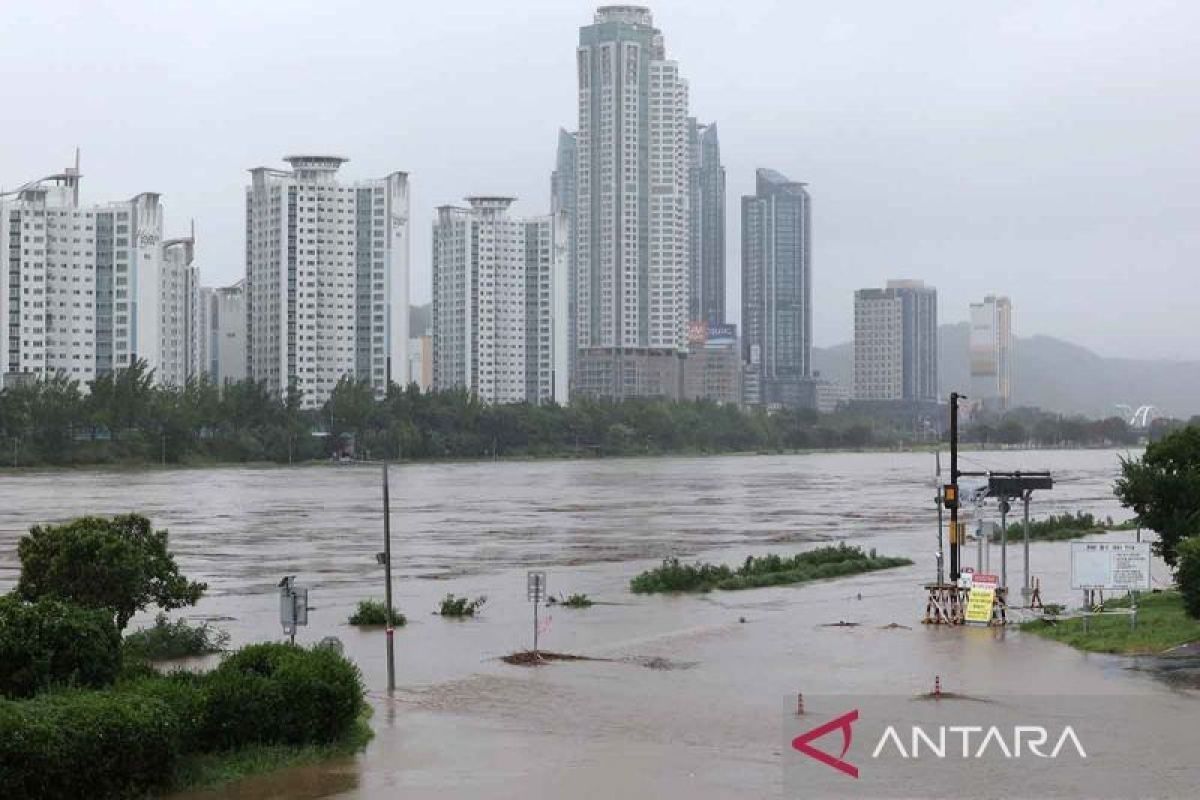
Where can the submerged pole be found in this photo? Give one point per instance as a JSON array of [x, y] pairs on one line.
[[1025, 590], [387, 577]]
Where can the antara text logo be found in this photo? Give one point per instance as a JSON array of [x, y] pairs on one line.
[[942, 742]]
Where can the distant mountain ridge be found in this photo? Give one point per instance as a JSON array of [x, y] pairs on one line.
[[1054, 375]]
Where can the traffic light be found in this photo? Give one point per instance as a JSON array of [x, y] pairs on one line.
[[950, 495]]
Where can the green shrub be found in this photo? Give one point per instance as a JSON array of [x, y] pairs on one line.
[[674, 576], [276, 693], [373, 612], [1188, 575], [574, 601], [770, 570], [185, 694], [178, 639], [50, 643], [86, 744], [460, 606]]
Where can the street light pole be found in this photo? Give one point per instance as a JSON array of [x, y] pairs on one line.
[[955, 533], [387, 577]]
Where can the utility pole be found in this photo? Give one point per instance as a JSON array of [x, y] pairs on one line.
[[387, 577], [955, 533], [938, 501]]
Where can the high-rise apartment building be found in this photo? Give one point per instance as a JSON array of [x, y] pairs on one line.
[[896, 343], [80, 285], [991, 345], [632, 209], [777, 290], [221, 334], [564, 199], [178, 311], [326, 278], [497, 294], [706, 225]]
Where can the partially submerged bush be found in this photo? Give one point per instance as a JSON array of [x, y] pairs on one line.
[[282, 693], [771, 570], [176, 639], [674, 576], [572, 601], [460, 606], [127, 741], [52, 643], [373, 612]]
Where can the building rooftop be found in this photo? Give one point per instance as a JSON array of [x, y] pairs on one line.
[[630, 15]]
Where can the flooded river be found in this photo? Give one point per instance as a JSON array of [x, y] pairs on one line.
[[689, 699]]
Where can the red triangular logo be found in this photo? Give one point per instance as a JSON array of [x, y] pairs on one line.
[[843, 723]]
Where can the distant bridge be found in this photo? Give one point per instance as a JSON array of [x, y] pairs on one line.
[[1141, 418]]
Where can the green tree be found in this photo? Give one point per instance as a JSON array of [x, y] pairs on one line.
[[120, 564], [1188, 574], [1163, 489]]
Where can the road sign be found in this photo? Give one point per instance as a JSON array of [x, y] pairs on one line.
[[1115, 566], [984, 580], [979, 604], [535, 592], [535, 587], [293, 605]]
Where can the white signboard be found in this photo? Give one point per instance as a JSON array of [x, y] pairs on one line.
[[535, 587], [1119, 566]]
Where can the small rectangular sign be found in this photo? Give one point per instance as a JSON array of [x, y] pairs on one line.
[[535, 587], [985, 580], [1115, 566]]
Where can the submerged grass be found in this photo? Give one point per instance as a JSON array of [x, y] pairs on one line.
[[1058, 527], [772, 570], [214, 770], [1161, 624], [375, 612], [178, 639]]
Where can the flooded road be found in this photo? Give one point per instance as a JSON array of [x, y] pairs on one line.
[[691, 700]]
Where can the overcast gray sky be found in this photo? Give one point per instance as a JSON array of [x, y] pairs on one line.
[[1047, 150]]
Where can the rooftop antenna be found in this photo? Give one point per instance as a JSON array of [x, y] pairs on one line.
[[74, 173]]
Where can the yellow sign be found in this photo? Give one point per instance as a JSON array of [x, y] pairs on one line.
[[979, 604]]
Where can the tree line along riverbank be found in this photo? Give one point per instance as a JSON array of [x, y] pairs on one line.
[[127, 419]]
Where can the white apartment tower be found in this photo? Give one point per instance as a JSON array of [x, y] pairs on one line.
[[896, 343], [220, 341], [79, 284], [991, 356], [326, 278], [178, 311], [499, 303], [632, 208]]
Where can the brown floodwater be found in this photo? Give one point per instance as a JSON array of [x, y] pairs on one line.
[[684, 698]]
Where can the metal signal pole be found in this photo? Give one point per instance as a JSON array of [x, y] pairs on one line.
[[387, 577], [955, 533]]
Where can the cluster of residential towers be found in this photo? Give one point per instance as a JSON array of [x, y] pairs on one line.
[[617, 291]]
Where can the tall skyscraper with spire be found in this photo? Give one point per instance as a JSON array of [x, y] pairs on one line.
[[632, 293], [706, 234]]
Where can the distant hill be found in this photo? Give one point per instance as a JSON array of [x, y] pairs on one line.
[[1055, 375]]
